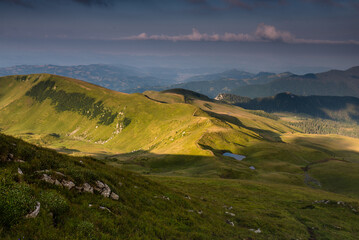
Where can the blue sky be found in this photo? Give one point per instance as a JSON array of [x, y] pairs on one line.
[[253, 35]]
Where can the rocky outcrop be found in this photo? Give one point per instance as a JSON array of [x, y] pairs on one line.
[[103, 189], [11, 158], [100, 187]]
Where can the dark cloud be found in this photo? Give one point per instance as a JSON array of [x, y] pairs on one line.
[[334, 3], [106, 3], [239, 4], [197, 1], [251, 4], [221, 5], [22, 3], [35, 3]]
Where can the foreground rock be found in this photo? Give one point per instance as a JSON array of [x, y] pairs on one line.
[[35, 212]]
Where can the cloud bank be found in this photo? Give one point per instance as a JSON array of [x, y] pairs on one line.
[[263, 33], [33, 3]]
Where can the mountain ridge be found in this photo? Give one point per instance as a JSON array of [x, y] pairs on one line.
[[330, 83], [340, 108]]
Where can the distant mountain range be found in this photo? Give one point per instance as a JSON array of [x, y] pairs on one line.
[[130, 80], [327, 107], [118, 78], [224, 82], [331, 83]]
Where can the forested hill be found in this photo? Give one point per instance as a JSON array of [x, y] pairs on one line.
[[328, 107]]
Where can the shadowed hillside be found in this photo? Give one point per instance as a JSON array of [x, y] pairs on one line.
[[328, 107]]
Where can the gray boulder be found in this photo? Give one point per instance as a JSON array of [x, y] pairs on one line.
[[114, 196], [68, 184], [87, 188], [47, 179], [35, 212], [106, 191]]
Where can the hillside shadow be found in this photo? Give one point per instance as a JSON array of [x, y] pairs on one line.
[[266, 134], [314, 106], [146, 162]]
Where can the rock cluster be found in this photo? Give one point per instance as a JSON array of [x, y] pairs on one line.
[[11, 158], [340, 203], [100, 187]]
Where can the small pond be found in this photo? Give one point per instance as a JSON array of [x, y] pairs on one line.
[[235, 156]]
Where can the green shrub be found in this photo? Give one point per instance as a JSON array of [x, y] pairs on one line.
[[16, 201], [54, 202]]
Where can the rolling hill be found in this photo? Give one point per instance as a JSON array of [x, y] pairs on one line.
[[183, 186], [331, 83], [80, 118]]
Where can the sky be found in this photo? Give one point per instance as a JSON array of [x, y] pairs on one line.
[[253, 35]]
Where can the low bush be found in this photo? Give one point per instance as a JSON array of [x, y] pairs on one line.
[[16, 201]]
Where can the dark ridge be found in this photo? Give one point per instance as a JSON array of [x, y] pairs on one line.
[[329, 83], [344, 108], [187, 93], [310, 75]]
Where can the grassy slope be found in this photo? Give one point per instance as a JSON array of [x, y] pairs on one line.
[[172, 133], [279, 211], [162, 124], [152, 123], [177, 135]]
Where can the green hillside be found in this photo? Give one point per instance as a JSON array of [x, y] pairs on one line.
[[46, 195], [290, 185], [174, 132], [80, 118]]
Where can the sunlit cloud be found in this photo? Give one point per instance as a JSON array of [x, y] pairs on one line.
[[263, 33]]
